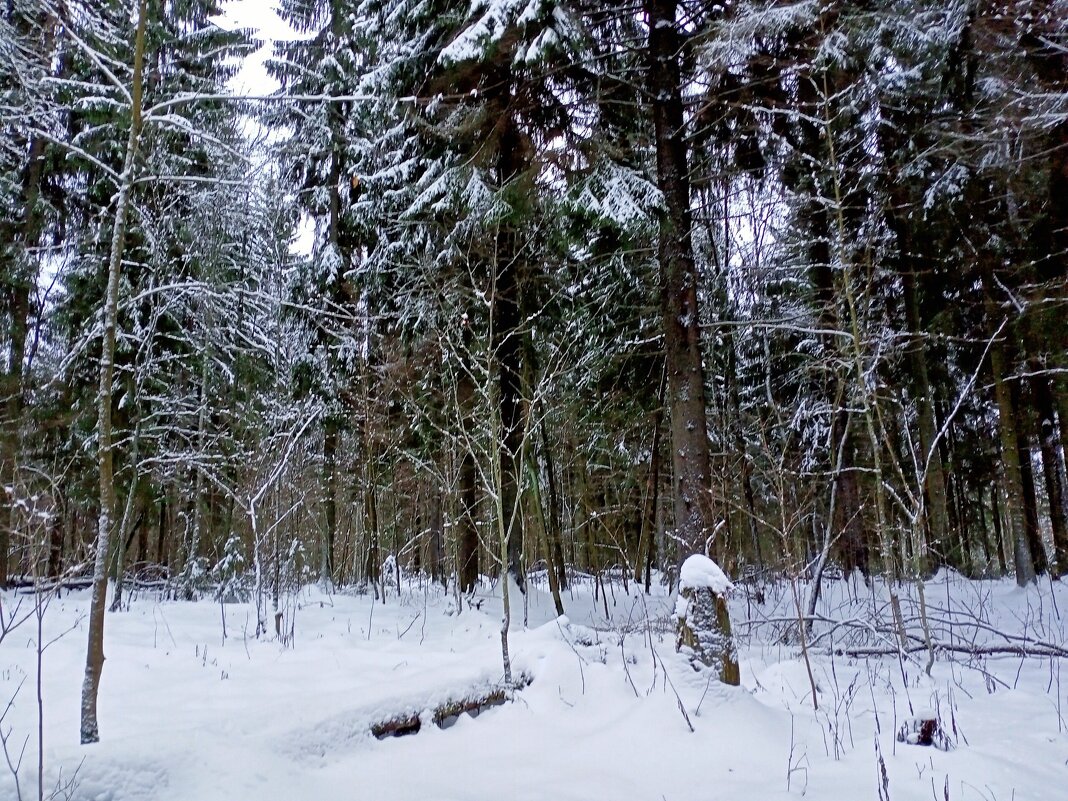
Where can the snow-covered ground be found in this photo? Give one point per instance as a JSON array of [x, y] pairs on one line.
[[189, 715]]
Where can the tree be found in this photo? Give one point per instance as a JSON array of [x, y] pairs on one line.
[[694, 526], [94, 663], [151, 42]]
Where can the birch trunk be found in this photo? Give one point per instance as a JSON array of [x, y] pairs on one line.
[[94, 661]]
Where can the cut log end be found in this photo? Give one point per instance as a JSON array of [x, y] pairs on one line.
[[924, 730]]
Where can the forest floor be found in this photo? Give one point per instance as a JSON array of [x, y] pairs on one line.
[[187, 714]]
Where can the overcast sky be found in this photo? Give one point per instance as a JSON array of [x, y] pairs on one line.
[[260, 16]]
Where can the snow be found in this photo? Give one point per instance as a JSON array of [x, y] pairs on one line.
[[700, 572], [188, 714]]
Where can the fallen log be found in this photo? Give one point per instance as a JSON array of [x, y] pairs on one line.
[[447, 713], [30, 586]]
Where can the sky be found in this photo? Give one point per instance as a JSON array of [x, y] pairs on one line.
[[262, 17]]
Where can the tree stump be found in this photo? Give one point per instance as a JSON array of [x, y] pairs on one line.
[[703, 623]]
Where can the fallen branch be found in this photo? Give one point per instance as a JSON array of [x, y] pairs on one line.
[[1042, 650]]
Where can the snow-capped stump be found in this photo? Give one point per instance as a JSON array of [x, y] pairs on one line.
[[924, 729], [703, 622]]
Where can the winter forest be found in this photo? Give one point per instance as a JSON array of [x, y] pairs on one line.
[[533, 399]]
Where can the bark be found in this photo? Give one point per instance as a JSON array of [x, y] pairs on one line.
[[330, 436], [94, 662], [55, 547], [167, 535], [436, 526], [847, 523], [741, 451], [507, 349], [984, 531], [21, 275], [678, 287], [11, 397], [705, 630], [142, 537], [539, 515], [847, 520], [963, 525], [196, 531], [681, 323], [999, 531], [646, 545], [556, 546], [373, 562], [1049, 445], [957, 486], [467, 537], [1030, 497], [584, 515], [932, 472], [1000, 364]]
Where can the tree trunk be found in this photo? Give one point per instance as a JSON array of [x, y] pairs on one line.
[[436, 546], [507, 347], [556, 546], [999, 530], [1051, 466], [196, 531], [681, 319], [1027, 483], [1010, 454], [540, 517], [94, 662], [15, 240], [330, 436], [646, 539], [932, 473], [678, 287], [11, 398], [984, 531], [467, 530], [55, 547], [372, 564]]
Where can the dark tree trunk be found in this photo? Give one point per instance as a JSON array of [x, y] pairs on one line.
[[166, 522], [20, 279], [373, 562], [1027, 481], [984, 531], [1000, 366], [647, 540], [436, 546], [999, 530], [1049, 445], [467, 539], [330, 437], [55, 547], [694, 522], [508, 349], [934, 481], [556, 546], [707, 627]]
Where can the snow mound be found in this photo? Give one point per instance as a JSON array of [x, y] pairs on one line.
[[700, 572]]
